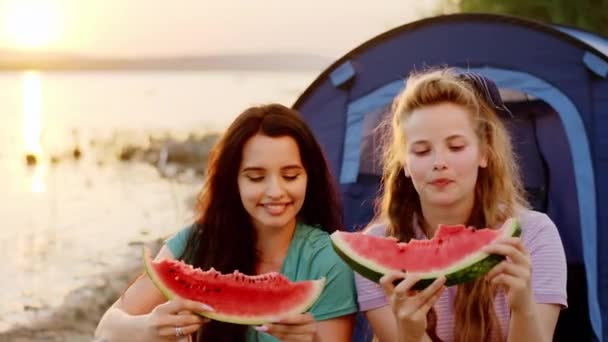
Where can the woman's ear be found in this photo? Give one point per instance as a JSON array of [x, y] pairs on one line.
[[406, 172], [483, 160]]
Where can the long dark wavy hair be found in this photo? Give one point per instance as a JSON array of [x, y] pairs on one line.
[[223, 236]]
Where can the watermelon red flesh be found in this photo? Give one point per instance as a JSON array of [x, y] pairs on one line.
[[455, 252], [437, 254], [235, 297]]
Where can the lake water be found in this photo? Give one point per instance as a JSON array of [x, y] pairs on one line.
[[65, 222]]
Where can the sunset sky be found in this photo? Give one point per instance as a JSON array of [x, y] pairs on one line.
[[166, 28]]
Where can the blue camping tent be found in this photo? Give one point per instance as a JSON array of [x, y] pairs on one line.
[[555, 80]]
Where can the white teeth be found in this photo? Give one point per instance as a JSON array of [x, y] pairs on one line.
[[275, 209]]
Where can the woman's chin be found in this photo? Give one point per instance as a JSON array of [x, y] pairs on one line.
[[275, 222], [443, 200]]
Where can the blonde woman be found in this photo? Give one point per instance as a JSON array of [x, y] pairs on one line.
[[450, 161]]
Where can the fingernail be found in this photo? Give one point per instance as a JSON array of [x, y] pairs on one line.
[[261, 328], [206, 307]]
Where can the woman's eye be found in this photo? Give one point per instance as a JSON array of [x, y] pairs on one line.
[[290, 177], [421, 152], [457, 148], [255, 178]]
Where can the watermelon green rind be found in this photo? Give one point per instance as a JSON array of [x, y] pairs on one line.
[[358, 267], [466, 270], [152, 275], [317, 289]]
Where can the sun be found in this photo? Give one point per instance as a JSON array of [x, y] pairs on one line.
[[32, 24]]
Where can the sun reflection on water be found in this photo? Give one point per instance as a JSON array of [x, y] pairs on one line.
[[32, 112], [32, 125], [38, 179]]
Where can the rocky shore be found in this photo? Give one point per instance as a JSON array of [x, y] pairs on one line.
[[75, 320], [172, 157]]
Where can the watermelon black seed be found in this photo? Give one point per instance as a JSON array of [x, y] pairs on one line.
[[218, 290]]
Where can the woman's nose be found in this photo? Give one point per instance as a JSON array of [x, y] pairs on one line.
[[439, 162], [274, 188]]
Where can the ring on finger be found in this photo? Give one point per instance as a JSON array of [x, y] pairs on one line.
[[179, 331]]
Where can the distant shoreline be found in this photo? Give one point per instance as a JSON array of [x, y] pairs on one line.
[[10, 61]]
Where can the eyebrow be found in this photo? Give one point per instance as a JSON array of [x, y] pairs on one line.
[[451, 137], [455, 136], [420, 142], [284, 168]]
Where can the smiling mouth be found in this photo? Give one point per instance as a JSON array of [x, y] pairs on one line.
[[275, 208], [274, 204]]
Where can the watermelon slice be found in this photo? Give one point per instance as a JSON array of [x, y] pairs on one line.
[[454, 251], [235, 297]]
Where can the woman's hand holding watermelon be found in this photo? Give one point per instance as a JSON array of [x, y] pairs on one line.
[[175, 319], [410, 307], [513, 274], [296, 328]]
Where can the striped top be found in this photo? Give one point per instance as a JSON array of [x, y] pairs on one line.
[[542, 241]]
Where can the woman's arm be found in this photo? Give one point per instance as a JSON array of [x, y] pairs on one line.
[[384, 326], [336, 329], [382, 323], [537, 325], [130, 318], [534, 278]]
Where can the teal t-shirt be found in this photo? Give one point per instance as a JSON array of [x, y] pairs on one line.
[[310, 256]]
